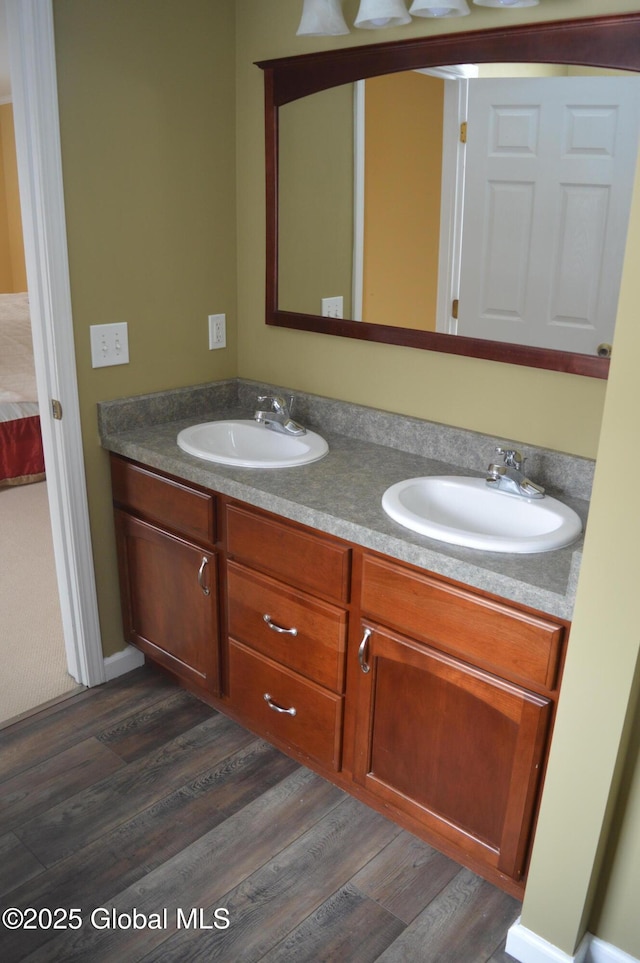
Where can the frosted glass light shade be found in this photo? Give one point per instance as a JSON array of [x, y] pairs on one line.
[[374, 14], [439, 8], [507, 3], [322, 18]]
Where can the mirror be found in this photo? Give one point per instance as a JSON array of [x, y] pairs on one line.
[[520, 224], [611, 42]]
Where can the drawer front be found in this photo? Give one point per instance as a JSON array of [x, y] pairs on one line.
[[171, 504], [301, 558], [296, 630], [489, 634], [313, 720]]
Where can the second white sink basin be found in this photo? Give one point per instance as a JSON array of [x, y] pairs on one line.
[[465, 511], [249, 444]]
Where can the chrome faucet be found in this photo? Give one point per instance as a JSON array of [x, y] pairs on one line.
[[277, 416], [510, 476]]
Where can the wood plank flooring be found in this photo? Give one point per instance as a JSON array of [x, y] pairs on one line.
[[173, 834]]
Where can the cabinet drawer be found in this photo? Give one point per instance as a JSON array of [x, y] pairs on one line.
[[303, 633], [492, 635], [173, 505], [302, 558], [313, 723]]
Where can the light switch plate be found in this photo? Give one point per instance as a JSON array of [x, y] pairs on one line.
[[332, 307], [109, 344]]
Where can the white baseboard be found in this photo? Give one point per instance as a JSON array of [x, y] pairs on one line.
[[122, 662], [601, 952], [527, 947]]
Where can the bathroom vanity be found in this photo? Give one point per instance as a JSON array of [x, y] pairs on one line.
[[429, 697]]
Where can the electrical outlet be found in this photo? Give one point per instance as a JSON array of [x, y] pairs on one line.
[[333, 307], [217, 331], [109, 344]]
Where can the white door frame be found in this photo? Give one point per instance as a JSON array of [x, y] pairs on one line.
[[35, 105]]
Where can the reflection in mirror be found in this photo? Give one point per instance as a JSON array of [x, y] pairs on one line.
[[514, 233], [294, 295]]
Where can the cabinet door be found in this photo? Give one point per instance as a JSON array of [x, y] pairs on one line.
[[453, 746], [169, 600]]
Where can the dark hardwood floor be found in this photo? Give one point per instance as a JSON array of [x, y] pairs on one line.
[[139, 824]]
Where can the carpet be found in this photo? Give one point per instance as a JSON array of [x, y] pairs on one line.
[[34, 665]]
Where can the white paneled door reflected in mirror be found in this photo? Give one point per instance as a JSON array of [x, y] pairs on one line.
[[493, 208], [478, 210]]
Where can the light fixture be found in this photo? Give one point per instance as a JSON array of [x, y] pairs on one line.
[[439, 8], [322, 18], [373, 14], [506, 3]]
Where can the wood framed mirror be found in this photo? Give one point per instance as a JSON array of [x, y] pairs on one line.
[[602, 42]]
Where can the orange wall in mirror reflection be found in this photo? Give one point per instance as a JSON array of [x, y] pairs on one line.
[[403, 122]]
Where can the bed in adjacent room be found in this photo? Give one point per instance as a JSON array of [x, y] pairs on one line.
[[21, 455]]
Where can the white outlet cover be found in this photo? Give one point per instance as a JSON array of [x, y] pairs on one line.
[[217, 331]]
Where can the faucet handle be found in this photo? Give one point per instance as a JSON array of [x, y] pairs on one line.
[[512, 457], [276, 402]]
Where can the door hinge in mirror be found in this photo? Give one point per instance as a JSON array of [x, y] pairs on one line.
[[463, 132], [455, 304], [56, 407]]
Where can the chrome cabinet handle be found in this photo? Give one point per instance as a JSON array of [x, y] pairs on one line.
[[278, 628], [203, 564], [362, 651], [276, 707]]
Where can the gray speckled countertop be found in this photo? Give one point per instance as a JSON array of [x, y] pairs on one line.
[[341, 494]]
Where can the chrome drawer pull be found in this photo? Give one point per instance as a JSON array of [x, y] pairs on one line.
[[362, 651], [203, 564], [278, 628], [276, 707]]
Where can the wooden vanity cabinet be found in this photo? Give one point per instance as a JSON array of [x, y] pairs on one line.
[[446, 729], [287, 590], [428, 700], [165, 534]]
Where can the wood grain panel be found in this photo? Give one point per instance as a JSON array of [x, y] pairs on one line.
[[181, 508], [405, 876], [169, 595], [54, 780], [35, 739], [456, 747], [316, 726], [491, 634], [63, 828], [317, 650], [145, 731], [17, 864], [304, 559]]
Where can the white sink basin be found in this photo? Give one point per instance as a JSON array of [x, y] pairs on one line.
[[248, 444], [465, 511]]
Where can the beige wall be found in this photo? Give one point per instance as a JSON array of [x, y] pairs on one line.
[[315, 202], [147, 121], [147, 116], [588, 838], [13, 276]]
